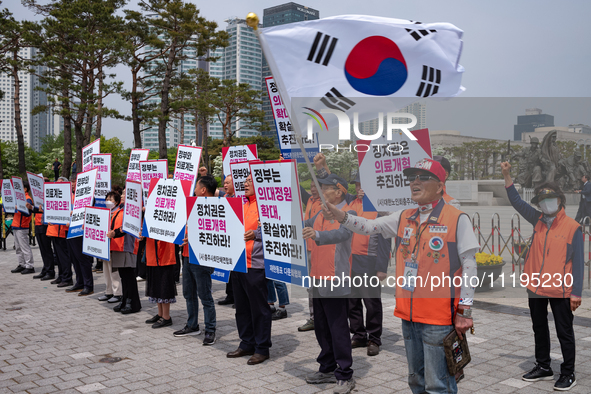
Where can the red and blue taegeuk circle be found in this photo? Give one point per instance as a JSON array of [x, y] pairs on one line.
[[375, 66], [436, 243]]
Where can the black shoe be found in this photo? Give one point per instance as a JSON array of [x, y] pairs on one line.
[[128, 309], [120, 306], [154, 319], [85, 292], [65, 284], [186, 331], [355, 343], [565, 382], [74, 289], [209, 338], [28, 271], [538, 373], [226, 301], [19, 268], [48, 277], [105, 297], [279, 314], [162, 323], [373, 349], [56, 281], [39, 276]]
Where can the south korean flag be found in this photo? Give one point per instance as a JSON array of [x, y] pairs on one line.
[[361, 64]]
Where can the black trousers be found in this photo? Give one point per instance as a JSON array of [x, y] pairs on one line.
[[253, 314], [331, 327], [82, 263], [64, 263], [563, 320], [140, 266], [129, 288], [229, 288], [177, 266], [371, 330], [56, 173], [45, 249]]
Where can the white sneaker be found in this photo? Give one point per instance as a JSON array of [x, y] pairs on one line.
[[139, 279]]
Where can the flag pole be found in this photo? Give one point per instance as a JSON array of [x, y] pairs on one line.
[[252, 20]]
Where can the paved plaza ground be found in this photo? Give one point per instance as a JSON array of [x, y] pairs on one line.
[[51, 341]]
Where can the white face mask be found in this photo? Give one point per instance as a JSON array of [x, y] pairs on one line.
[[549, 205], [110, 205]]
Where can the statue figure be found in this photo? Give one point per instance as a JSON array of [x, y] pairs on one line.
[[550, 155], [530, 165]]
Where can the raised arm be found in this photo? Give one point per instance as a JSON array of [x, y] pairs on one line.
[[528, 212]]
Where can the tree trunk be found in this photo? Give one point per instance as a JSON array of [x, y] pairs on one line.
[[1, 167], [81, 139], [22, 168], [182, 128], [204, 152], [137, 123], [99, 105], [164, 105]]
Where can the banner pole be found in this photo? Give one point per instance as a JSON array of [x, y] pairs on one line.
[[252, 20]]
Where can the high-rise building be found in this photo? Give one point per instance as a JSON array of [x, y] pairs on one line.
[[35, 127], [532, 119], [173, 133], [274, 16]]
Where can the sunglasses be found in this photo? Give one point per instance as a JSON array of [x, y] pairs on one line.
[[422, 178]]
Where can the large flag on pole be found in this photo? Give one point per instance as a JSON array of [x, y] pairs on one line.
[[345, 63]]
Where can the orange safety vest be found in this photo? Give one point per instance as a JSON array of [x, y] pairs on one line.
[[550, 253], [57, 230], [360, 242], [19, 220], [436, 255], [39, 219], [251, 222], [159, 253], [117, 244], [323, 256], [313, 206]]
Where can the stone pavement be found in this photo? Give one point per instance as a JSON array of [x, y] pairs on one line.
[[54, 341]]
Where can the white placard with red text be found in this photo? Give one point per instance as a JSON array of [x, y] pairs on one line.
[[19, 194], [132, 215], [239, 173], [96, 226], [277, 192], [36, 185], [380, 168], [83, 197], [165, 217], [102, 162], [216, 233], [152, 169], [133, 167], [186, 166], [57, 203], [91, 149], [8, 200], [238, 153]]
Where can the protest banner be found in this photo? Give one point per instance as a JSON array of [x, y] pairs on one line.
[[36, 185], [238, 153], [380, 168], [96, 226], [186, 166], [132, 216], [216, 233], [83, 196], [19, 194], [57, 203], [87, 152], [102, 162], [152, 169], [285, 131], [165, 217], [280, 214], [8, 200], [133, 167], [239, 173]]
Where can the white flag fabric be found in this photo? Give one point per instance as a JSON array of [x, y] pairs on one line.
[[336, 63]]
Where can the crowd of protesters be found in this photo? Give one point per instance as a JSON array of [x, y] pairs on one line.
[[341, 238]]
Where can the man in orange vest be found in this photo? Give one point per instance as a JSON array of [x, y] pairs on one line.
[[433, 240], [228, 192], [20, 228], [253, 315], [48, 271], [331, 258]]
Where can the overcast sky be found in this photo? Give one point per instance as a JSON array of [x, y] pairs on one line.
[[531, 49]]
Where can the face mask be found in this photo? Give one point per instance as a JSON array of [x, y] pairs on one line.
[[110, 205], [549, 205]]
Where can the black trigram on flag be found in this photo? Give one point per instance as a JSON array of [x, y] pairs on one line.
[[430, 82], [418, 34], [335, 100], [324, 41]]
